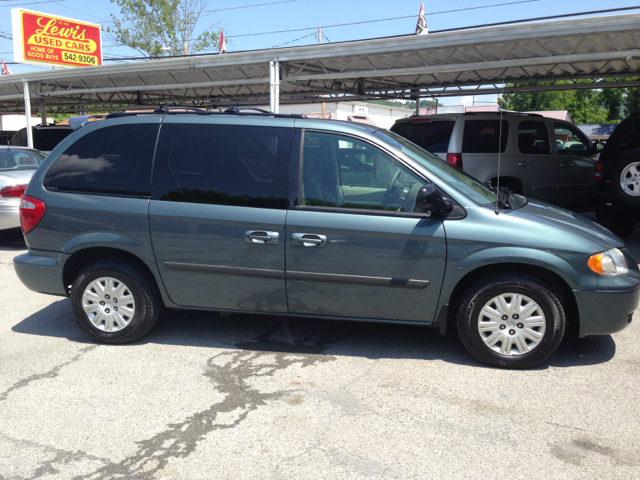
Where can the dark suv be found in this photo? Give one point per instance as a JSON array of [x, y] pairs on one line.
[[275, 214], [618, 176]]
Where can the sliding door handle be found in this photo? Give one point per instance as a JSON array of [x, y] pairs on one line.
[[260, 237], [308, 240]]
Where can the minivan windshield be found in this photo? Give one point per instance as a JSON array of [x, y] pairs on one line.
[[18, 159], [461, 181]]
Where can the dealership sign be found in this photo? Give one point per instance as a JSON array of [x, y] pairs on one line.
[[51, 40]]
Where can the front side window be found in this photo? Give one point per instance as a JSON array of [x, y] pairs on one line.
[[533, 138], [222, 165], [484, 136], [344, 172], [113, 159], [570, 140]]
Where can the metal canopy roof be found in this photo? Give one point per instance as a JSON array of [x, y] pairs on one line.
[[438, 64]]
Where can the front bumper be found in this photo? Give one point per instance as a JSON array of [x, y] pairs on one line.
[[42, 271], [606, 312]]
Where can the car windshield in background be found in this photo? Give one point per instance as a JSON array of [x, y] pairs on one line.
[[433, 136], [17, 159], [457, 178]]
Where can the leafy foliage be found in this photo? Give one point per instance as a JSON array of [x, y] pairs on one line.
[[609, 105], [149, 25]]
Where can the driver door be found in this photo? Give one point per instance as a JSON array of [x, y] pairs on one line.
[[355, 246]]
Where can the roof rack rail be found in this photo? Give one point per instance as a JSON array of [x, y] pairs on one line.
[[199, 111]]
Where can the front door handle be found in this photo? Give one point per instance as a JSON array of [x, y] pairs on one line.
[[261, 237], [308, 240], [526, 163]]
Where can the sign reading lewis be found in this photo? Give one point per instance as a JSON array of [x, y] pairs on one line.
[[52, 40]]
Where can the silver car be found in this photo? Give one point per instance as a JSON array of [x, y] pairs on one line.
[[17, 166], [542, 158]]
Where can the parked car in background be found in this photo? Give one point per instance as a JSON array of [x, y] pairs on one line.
[[541, 158], [6, 136], [17, 166], [45, 137], [618, 178]]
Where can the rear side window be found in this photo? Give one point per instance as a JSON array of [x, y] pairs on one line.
[[48, 138], [483, 136], [533, 138], [108, 160], [222, 165], [432, 136], [570, 140]]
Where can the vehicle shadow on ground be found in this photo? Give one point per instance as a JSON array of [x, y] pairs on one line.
[[305, 335], [12, 240]]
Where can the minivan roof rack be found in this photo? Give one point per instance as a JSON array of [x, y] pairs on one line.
[[510, 112], [163, 109]]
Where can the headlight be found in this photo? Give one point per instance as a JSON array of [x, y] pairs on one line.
[[609, 263]]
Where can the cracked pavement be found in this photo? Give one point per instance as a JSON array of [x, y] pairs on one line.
[[206, 397]]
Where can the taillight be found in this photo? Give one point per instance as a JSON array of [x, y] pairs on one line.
[[13, 191], [455, 159], [31, 212], [598, 175]]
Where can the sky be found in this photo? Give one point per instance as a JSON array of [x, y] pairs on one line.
[[247, 23]]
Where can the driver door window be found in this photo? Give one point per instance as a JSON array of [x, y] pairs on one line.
[[343, 172]]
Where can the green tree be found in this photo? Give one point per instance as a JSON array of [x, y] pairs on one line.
[[150, 25], [632, 101]]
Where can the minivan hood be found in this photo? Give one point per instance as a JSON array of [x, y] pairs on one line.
[[572, 222]]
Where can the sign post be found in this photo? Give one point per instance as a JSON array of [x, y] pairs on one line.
[[44, 39]]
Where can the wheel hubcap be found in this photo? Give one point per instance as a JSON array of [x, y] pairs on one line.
[[511, 324], [629, 180], [109, 304]]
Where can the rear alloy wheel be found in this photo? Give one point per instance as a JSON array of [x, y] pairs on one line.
[[511, 320], [115, 301], [626, 181]]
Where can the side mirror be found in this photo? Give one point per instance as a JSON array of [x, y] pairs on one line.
[[430, 199], [598, 146]]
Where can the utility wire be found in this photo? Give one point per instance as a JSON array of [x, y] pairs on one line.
[[31, 3], [382, 19], [247, 6]]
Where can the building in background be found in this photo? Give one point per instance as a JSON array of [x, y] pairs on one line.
[[598, 131], [16, 122]]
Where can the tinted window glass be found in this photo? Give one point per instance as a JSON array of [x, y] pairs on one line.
[[48, 138], [626, 136], [570, 140], [222, 165], [432, 136], [533, 138], [108, 160], [372, 181], [483, 136]]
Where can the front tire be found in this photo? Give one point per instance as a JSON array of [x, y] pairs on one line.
[[510, 320], [115, 301]]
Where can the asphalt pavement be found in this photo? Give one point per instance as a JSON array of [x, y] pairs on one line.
[[265, 397]]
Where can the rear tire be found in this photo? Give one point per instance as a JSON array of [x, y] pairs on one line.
[[115, 301], [510, 320]]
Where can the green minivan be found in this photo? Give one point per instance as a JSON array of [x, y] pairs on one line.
[[282, 215]]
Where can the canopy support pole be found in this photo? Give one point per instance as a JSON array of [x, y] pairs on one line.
[[274, 86], [27, 111]]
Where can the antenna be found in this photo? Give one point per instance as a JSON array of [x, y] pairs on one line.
[[499, 151]]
